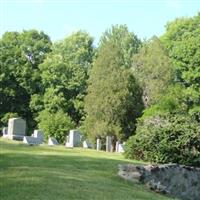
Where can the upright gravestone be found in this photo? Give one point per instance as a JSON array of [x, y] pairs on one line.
[[5, 131], [38, 134], [117, 146], [108, 144], [74, 139], [98, 144], [121, 148], [16, 128], [52, 141]]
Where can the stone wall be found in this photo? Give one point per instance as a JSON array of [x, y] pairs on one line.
[[173, 179]]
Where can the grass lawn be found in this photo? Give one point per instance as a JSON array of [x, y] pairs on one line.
[[58, 173]]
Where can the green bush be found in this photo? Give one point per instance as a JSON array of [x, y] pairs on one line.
[[166, 138], [55, 124]]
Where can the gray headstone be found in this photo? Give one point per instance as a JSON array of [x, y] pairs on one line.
[[16, 128], [98, 144], [38, 134], [5, 131], [74, 139], [86, 144], [52, 141], [31, 140], [108, 144]]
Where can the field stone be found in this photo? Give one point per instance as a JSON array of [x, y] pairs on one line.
[[176, 180]]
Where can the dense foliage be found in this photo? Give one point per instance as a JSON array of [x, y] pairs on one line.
[[123, 87], [166, 138], [153, 69], [113, 101], [169, 130], [21, 54], [55, 124]]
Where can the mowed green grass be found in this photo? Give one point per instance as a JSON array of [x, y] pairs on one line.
[[58, 173]]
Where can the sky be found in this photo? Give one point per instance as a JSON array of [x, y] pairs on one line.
[[59, 18]]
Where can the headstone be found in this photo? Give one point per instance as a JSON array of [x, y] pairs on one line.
[[38, 134], [74, 139], [52, 141], [5, 131], [121, 148], [31, 140], [86, 144], [108, 144], [98, 144], [117, 146], [16, 128]]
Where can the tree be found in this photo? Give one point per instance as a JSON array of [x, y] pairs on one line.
[[182, 41], [21, 53], [64, 75], [113, 100], [153, 69]]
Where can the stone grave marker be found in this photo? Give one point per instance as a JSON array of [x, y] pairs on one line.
[[5, 132], [98, 144], [108, 144], [38, 134], [16, 128], [117, 146], [52, 141], [87, 144], [31, 140], [74, 139]]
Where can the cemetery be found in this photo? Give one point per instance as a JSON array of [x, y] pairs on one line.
[[109, 116], [171, 179], [16, 130]]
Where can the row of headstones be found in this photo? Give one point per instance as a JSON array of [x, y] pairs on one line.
[[17, 128]]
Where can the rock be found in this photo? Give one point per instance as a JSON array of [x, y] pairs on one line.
[[177, 180]]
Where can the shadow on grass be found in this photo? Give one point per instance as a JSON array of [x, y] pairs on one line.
[[24, 174]]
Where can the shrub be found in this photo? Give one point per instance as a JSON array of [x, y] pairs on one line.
[[166, 138], [55, 124]]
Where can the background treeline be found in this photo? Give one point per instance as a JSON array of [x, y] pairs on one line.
[[144, 92]]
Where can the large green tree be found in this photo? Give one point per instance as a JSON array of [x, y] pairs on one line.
[[113, 101], [21, 53], [153, 69], [64, 76], [182, 41]]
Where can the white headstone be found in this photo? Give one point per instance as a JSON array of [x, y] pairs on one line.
[[74, 139], [121, 148], [52, 141], [98, 144], [108, 144], [117, 146], [5, 131], [16, 128], [31, 140]]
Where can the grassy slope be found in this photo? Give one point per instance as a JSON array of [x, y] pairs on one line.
[[57, 173]]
